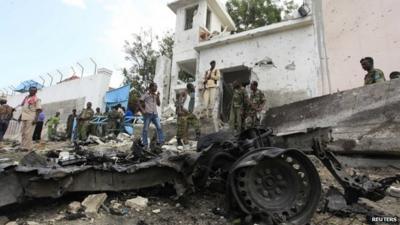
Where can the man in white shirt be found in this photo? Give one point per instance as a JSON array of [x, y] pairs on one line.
[[210, 82], [31, 107]]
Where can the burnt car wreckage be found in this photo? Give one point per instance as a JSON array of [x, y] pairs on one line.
[[265, 178]]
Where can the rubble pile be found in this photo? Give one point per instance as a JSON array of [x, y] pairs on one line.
[[219, 164]]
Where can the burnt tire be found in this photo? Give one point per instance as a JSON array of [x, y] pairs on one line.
[[276, 185]]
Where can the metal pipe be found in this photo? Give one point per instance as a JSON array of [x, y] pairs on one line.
[[51, 77], [95, 65], [82, 68], [61, 75], [44, 81]]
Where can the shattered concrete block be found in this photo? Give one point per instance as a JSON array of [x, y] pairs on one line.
[[12, 223], [74, 207], [137, 203], [376, 207], [156, 211], [63, 156], [3, 220], [393, 191], [95, 139], [32, 223], [170, 148], [122, 137], [92, 203], [173, 141]]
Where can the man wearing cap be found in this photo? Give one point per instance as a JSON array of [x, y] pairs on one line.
[[210, 82], [31, 107], [6, 114]]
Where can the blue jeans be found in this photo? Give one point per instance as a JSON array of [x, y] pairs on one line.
[[153, 118]]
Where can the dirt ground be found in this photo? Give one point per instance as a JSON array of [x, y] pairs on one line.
[[195, 209]]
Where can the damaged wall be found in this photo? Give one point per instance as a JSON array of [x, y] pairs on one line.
[[356, 29], [294, 74], [185, 40], [363, 119]]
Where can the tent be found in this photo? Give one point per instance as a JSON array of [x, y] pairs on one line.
[[118, 96], [25, 85]]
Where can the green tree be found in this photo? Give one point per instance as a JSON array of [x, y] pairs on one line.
[[142, 53], [166, 44], [143, 56], [250, 14]]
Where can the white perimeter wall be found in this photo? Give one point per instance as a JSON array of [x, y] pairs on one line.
[[92, 88], [359, 28], [292, 49]]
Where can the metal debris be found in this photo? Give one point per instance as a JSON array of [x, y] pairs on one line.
[[263, 177]]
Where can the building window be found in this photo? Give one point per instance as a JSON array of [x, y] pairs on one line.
[[208, 20], [189, 14]]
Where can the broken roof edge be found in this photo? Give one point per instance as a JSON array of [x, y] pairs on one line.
[[258, 32], [174, 5], [216, 5], [221, 12]]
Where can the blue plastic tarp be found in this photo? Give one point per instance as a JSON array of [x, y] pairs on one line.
[[118, 96], [25, 85]]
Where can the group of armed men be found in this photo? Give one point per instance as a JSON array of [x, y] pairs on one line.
[[244, 108], [79, 126]]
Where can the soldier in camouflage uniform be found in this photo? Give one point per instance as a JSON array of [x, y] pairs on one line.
[[257, 102], [239, 100], [186, 118], [113, 120], [374, 75], [84, 119], [96, 129]]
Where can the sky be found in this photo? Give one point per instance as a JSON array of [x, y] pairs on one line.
[[42, 36], [39, 37]]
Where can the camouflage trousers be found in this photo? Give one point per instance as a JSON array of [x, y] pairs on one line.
[[252, 120], [236, 118], [83, 129], [112, 126], [183, 125]]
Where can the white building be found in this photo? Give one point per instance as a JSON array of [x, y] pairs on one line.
[[293, 60], [283, 57]]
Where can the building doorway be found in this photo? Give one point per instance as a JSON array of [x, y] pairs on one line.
[[240, 73]]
